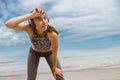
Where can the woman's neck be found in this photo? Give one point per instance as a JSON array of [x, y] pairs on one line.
[[41, 33]]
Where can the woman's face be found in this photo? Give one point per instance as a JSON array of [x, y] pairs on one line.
[[41, 23]]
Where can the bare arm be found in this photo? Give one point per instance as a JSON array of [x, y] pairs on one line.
[[54, 42], [16, 22]]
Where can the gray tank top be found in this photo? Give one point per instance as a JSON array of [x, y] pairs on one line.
[[41, 43]]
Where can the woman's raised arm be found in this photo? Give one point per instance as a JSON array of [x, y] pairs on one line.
[[16, 22]]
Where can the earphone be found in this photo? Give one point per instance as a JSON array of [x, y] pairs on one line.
[[32, 24]]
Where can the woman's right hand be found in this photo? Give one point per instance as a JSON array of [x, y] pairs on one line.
[[14, 23], [36, 12]]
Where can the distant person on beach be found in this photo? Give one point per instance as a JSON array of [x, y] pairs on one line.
[[44, 39]]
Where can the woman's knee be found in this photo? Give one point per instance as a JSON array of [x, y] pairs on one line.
[[59, 78]]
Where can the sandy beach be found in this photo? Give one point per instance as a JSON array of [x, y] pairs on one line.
[[87, 74]]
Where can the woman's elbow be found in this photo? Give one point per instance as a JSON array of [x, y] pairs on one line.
[[7, 24]]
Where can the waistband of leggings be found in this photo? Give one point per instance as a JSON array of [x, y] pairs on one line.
[[38, 52]]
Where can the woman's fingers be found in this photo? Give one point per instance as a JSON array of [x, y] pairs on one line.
[[37, 12], [58, 72], [61, 74], [41, 11]]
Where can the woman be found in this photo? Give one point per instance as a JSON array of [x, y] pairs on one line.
[[44, 40]]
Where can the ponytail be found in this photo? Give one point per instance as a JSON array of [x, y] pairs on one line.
[[52, 29]]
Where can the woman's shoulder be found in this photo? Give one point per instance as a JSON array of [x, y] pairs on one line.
[[29, 30], [52, 29], [52, 35]]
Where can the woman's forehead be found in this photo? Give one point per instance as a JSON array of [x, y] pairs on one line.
[[37, 18]]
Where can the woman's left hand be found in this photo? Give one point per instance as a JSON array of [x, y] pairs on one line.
[[58, 72]]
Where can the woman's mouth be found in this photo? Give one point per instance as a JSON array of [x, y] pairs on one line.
[[44, 26]]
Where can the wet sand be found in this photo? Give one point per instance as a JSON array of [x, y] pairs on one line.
[[86, 74]]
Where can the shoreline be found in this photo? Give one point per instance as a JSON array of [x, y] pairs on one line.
[[78, 74]]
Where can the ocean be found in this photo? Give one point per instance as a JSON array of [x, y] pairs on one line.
[[70, 60]]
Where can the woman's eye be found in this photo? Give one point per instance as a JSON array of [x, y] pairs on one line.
[[45, 18]]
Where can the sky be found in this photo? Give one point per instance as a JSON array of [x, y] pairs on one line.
[[83, 25]]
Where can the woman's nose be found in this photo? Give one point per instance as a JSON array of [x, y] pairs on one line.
[[43, 22]]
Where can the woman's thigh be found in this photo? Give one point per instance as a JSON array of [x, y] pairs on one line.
[[32, 65]]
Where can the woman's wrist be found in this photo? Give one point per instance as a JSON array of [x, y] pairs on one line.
[[30, 16]]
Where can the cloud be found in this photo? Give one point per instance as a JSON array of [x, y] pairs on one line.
[[83, 19], [87, 19], [8, 38]]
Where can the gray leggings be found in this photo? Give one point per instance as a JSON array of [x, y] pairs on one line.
[[33, 61]]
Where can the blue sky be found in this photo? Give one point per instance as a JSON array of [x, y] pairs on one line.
[[82, 24]]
